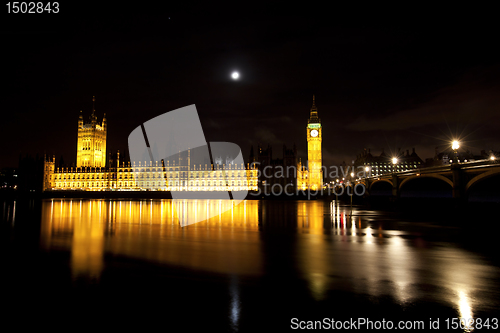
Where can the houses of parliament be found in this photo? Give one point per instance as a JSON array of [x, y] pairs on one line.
[[179, 174], [92, 174]]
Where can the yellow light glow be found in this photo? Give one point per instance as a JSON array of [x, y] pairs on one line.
[[455, 145]]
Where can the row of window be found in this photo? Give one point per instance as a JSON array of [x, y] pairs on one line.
[[396, 167], [389, 163], [111, 176], [169, 169], [153, 184]]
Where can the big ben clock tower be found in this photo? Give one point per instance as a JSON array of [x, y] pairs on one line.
[[314, 137]]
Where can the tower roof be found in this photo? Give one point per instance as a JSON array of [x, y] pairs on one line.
[[313, 116]]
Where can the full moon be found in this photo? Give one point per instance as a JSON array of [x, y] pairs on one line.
[[235, 75]]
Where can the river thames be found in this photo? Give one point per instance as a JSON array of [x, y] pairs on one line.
[[256, 266]]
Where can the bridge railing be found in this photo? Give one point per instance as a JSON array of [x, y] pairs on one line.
[[438, 168]]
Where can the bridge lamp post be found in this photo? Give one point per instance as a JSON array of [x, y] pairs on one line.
[[394, 162], [455, 145], [352, 188]]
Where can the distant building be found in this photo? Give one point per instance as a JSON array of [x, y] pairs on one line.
[[449, 156], [383, 163], [9, 178], [282, 171]]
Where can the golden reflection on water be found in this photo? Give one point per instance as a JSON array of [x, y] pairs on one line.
[[152, 230], [336, 247], [382, 262]]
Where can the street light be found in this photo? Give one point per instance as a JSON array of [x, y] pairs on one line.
[[455, 145], [394, 160]]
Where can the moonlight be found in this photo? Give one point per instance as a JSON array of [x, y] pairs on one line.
[[235, 75]]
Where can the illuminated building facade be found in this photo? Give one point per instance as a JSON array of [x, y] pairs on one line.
[[382, 164], [312, 177], [92, 173], [91, 147]]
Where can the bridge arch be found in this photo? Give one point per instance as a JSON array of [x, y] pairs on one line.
[[443, 178], [378, 181], [480, 177]]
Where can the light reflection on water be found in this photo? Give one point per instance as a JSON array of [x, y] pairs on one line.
[[152, 230], [334, 247]]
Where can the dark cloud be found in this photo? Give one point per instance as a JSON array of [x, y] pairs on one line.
[[474, 99]]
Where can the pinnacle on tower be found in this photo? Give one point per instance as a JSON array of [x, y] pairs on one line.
[[93, 117], [313, 118]]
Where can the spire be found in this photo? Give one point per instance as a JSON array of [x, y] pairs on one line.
[[313, 117], [93, 118]]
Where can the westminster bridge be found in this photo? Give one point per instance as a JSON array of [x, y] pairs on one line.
[[453, 180]]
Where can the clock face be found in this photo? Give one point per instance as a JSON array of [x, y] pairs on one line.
[[314, 133]]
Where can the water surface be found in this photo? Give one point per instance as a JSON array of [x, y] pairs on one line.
[[253, 266]]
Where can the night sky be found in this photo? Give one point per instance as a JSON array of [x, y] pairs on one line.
[[383, 78]]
